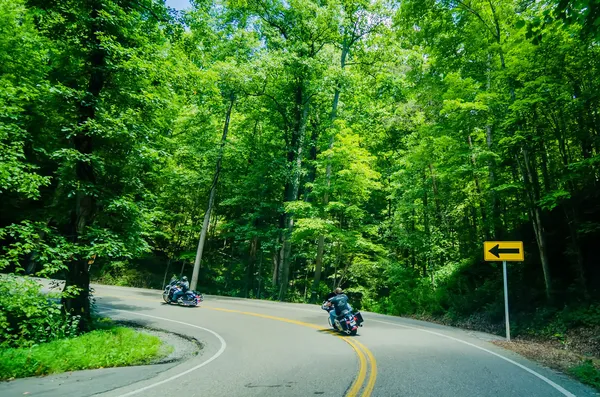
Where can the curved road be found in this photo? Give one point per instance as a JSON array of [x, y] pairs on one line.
[[259, 348]]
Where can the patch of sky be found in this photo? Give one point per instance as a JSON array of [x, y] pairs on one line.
[[178, 4]]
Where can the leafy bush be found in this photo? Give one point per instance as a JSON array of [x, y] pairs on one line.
[[126, 274], [554, 323], [27, 317], [45, 245], [407, 294], [587, 373], [581, 316]]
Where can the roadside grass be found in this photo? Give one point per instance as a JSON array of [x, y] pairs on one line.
[[583, 368], [588, 373], [106, 346]]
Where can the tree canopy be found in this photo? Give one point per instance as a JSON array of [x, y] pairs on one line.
[[370, 145]]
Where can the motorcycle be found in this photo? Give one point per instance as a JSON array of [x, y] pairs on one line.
[[190, 298], [347, 323]]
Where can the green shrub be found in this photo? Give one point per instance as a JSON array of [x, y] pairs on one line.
[[102, 348], [554, 323], [28, 317], [581, 316], [126, 274], [587, 373]]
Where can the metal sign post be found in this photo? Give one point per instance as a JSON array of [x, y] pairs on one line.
[[511, 251], [506, 301]]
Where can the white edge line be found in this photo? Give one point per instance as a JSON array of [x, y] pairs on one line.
[[542, 377], [214, 357]]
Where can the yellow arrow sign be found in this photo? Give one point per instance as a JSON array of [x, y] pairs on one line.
[[510, 251]]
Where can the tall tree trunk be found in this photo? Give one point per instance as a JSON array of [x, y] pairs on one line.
[[164, 284], [211, 199], [336, 266], [212, 224], [250, 268], [474, 225], [275, 277], [532, 188], [572, 220], [85, 204], [496, 227], [478, 188], [321, 240], [345, 271], [545, 173], [260, 276], [293, 186], [426, 225], [311, 173], [570, 210], [318, 268], [440, 215], [413, 226]]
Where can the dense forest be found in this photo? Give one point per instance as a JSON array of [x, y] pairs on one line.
[[289, 147]]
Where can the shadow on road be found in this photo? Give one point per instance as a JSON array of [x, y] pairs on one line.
[[232, 298], [180, 306], [332, 332], [327, 331], [123, 304], [149, 294], [130, 304]]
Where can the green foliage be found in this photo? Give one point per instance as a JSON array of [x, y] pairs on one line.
[[587, 373], [28, 317], [21, 54], [34, 238], [104, 348], [554, 323], [410, 294], [581, 316], [128, 274]]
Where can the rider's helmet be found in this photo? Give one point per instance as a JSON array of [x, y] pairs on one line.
[[338, 291], [184, 278]]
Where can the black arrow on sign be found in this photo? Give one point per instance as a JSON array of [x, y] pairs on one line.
[[496, 251]]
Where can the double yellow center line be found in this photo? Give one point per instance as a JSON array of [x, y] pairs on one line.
[[367, 365], [372, 364]]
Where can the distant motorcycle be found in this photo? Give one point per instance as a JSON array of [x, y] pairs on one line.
[[190, 298], [347, 323]]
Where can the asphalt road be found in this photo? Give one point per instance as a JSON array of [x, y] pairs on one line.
[[258, 348]]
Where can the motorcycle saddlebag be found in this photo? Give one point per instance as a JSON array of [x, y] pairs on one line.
[[359, 318], [342, 320]]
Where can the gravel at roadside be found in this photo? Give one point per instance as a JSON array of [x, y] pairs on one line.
[[184, 347]]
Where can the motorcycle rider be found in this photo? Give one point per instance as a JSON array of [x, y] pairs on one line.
[[329, 307], [339, 304], [185, 286]]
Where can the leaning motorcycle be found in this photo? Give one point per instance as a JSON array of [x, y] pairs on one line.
[[347, 323], [190, 298]]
